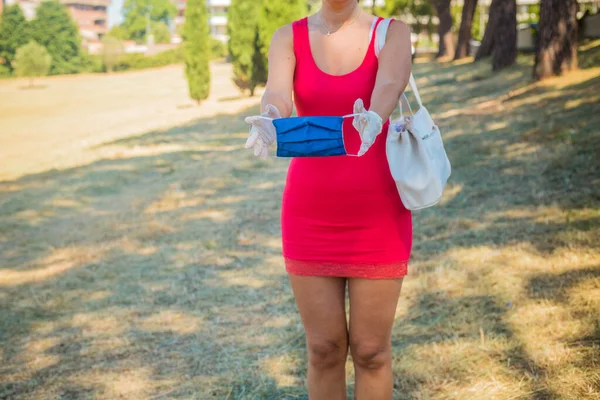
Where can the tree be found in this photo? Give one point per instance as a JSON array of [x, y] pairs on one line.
[[259, 64], [422, 11], [118, 32], [197, 49], [464, 33], [275, 14], [500, 37], [446, 45], [139, 14], [32, 60], [556, 51], [54, 29], [112, 50], [161, 33], [14, 33], [242, 27]]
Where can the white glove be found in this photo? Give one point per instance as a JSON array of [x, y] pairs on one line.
[[368, 124], [262, 131]]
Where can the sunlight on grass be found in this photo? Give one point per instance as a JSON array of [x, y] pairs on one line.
[[57, 263], [233, 279], [172, 321], [148, 265]]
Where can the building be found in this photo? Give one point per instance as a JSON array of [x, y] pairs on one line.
[[217, 11], [90, 16]]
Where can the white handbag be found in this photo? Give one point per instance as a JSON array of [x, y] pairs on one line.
[[415, 150]]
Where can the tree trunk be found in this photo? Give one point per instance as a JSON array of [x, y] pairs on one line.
[[464, 34], [505, 42], [556, 50], [500, 37], [446, 45], [487, 43]]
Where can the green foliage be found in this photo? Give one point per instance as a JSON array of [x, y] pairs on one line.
[[476, 31], [275, 14], [135, 61], [119, 32], [4, 71], [244, 50], [14, 33], [137, 13], [218, 49], [161, 33], [32, 60], [140, 61], [423, 10], [196, 49], [112, 51], [54, 29], [259, 65], [533, 11]]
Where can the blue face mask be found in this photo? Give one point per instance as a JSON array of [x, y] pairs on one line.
[[311, 136]]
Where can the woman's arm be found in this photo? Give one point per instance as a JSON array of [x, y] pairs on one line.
[[282, 63], [394, 70]]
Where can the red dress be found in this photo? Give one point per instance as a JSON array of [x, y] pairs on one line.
[[341, 216]]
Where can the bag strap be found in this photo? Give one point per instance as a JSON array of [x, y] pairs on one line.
[[381, 35]]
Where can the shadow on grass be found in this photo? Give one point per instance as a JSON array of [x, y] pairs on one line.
[[162, 271], [158, 276]]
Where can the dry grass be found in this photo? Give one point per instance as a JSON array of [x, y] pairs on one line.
[[147, 266]]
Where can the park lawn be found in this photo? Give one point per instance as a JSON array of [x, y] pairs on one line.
[[154, 271]]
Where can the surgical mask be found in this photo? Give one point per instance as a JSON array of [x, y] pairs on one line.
[[315, 136]]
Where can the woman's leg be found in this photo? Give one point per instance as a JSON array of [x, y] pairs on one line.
[[372, 310], [321, 303]]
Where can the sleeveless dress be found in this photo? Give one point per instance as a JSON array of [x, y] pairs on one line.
[[341, 216]]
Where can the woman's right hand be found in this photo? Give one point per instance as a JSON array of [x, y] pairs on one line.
[[262, 131]]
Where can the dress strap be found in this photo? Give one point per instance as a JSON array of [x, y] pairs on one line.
[[300, 33], [372, 34]]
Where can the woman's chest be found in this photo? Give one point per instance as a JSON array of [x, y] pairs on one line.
[[318, 93]]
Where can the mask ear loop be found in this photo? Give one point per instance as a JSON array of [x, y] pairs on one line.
[[349, 116]]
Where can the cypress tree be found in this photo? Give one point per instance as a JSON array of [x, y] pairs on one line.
[[244, 45], [196, 49]]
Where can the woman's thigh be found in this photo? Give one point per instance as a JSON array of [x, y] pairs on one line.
[[321, 304], [372, 311]]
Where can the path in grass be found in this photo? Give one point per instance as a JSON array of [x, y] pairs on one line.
[[150, 268]]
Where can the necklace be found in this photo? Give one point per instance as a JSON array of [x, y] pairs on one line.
[[342, 26]]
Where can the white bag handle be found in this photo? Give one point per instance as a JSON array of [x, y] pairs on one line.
[[381, 35]]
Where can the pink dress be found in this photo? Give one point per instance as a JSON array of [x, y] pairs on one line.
[[341, 216]]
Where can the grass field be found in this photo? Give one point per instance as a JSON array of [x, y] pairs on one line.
[[140, 244]]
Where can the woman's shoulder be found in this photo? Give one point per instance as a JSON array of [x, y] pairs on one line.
[[398, 29], [284, 33], [399, 26]]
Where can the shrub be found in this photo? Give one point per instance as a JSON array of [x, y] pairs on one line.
[[32, 60]]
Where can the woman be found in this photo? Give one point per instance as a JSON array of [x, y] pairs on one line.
[[342, 218]]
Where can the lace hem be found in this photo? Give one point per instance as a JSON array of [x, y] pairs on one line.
[[393, 270]]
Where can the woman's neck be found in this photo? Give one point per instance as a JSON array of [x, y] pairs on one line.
[[337, 12]]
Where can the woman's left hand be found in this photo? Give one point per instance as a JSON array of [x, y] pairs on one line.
[[368, 124]]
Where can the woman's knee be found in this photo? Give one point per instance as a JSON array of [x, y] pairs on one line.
[[327, 353], [369, 355]]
